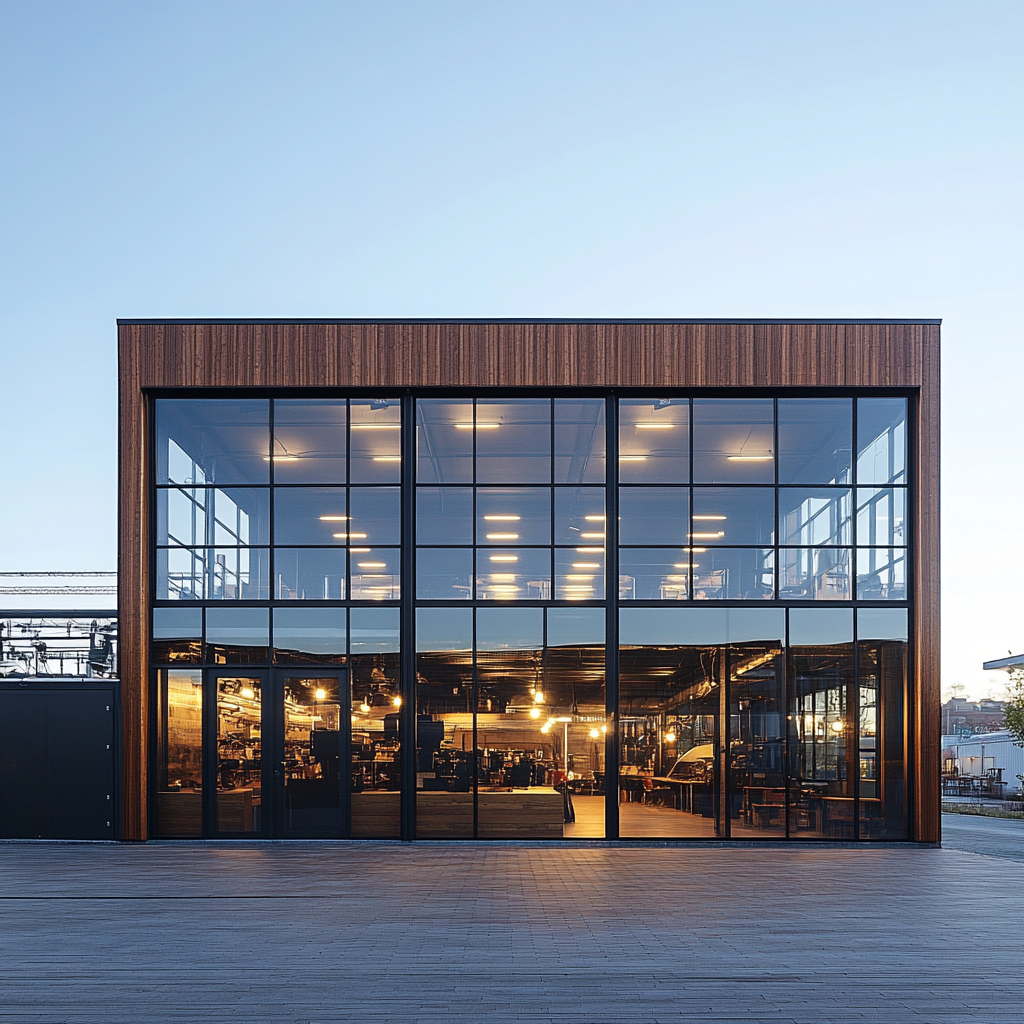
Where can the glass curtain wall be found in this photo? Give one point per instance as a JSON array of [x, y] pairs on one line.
[[761, 585]]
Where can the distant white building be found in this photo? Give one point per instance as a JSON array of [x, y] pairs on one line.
[[992, 753]]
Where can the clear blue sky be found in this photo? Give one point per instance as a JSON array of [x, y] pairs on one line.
[[761, 159]]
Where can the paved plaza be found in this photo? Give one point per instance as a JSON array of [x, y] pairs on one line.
[[294, 933]]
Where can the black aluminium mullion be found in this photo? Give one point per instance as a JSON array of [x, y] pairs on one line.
[[611, 639], [787, 718], [407, 634], [854, 725], [475, 683]]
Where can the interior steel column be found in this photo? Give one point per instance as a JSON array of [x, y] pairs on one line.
[[611, 628], [407, 646]]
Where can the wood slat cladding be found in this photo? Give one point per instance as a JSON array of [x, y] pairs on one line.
[[527, 354]]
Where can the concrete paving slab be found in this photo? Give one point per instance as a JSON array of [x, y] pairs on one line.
[[314, 933]]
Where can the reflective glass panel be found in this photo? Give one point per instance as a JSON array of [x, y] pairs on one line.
[[375, 441], [579, 515], [579, 441], [376, 700], [822, 740], [578, 577], [313, 718], [815, 440], [654, 440], [375, 574], [215, 574], [444, 515], [882, 574], [237, 636], [309, 574], [733, 574], [444, 440], [238, 801], [177, 634], [513, 441], [179, 756], [376, 515], [882, 624], [513, 574], [309, 635], [309, 441], [733, 515], [881, 440], [212, 441], [812, 516], [310, 515], [820, 626], [196, 516], [814, 574], [654, 515], [733, 440], [881, 516], [513, 515], [444, 723], [654, 574], [444, 574]]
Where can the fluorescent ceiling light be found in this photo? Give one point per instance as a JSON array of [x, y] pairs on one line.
[[387, 458], [349, 536], [376, 426], [592, 536], [281, 458], [588, 551], [655, 426], [502, 519], [586, 565], [632, 458], [707, 536], [749, 458], [372, 565], [708, 519], [594, 519], [334, 519], [503, 536], [504, 558]]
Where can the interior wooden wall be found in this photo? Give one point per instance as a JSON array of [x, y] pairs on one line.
[[690, 355]]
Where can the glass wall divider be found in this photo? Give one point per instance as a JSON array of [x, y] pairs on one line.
[[611, 592]]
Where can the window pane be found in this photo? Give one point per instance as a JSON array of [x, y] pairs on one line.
[[654, 574], [814, 574], [734, 574], [444, 574], [376, 515], [811, 516], [509, 629], [881, 440], [309, 574], [212, 440], [578, 577], [569, 627], [375, 574], [444, 515], [375, 440], [654, 440], [579, 441], [376, 700], [881, 516], [653, 515], [733, 515], [192, 517], [733, 440], [882, 574], [177, 634], [815, 440], [216, 574], [238, 805], [579, 515], [811, 626], [309, 441], [513, 441], [236, 636], [179, 784], [513, 574], [444, 441], [310, 515], [309, 635], [513, 515], [882, 624]]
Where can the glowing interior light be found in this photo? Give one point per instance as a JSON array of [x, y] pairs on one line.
[[248, 692], [546, 728], [365, 708], [504, 558], [594, 734], [281, 458], [697, 551], [321, 693], [376, 426], [535, 712], [503, 536], [586, 565], [349, 536], [504, 588], [359, 551], [837, 725], [396, 701], [670, 737], [592, 536], [676, 579], [387, 458], [576, 586], [632, 458], [749, 458], [506, 577], [372, 565], [538, 696], [589, 551], [594, 519], [707, 536], [655, 426], [479, 426], [579, 576], [709, 519], [502, 519], [334, 519]]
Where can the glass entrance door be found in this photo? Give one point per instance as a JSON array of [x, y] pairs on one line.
[[280, 764]]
